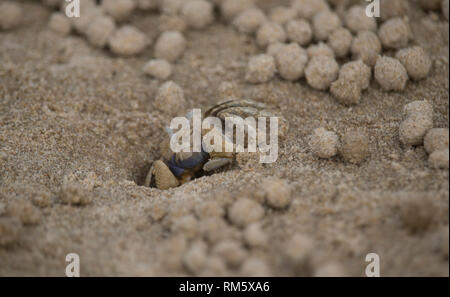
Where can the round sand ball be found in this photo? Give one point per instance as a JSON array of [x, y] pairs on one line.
[[170, 98], [231, 8], [357, 20], [254, 236], [393, 8], [346, 92], [195, 257], [160, 69], [270, 32], [321, 71], [320, 49], [245, 211], [282, 15], [439, 159], [324, 23], [187, 225], [255, 267], [291, 61], [274, 48], [366, 46], [356, 71], [395, 33], [231, 252], [413, 129], [340, 41], [249, 20], [10, 15], [436, 140], [60, 24], [416, 62], [445, 8], [430, 4], [198, 13], [324, 144], [299, 31], [100, 30], [171, 7], [298, 248], [170, 46], [87, 16], [419, 108], [260, 69], [128, 41], [390, 74], [355, 147], [277, 193], [120, 10], [309, 8]]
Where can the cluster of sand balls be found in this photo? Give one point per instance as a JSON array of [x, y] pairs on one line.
[[336, 52], [353, 147], [328, 43], [104, 26], [227, 234], [417, 129]]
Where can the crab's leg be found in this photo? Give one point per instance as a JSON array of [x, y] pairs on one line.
[[216, 163], [149, 177]]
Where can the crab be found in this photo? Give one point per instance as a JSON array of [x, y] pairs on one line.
[[175, 169]]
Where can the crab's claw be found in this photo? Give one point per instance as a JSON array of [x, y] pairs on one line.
[[164, 178]]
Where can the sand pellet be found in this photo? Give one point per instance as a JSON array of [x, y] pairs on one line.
[[269, 33], [324, 144], [366, 46], [357, 20], [245, 211], [170, 46], [340, 40], [60, 23], [321, 71], [299, 31], [128, 41], [395, 33], [291, 61], [160, 69], [198, 13], [260, 69], [390, 74], [170, 98], [100, 30], [324, 23], [416, 62], [249, 20]]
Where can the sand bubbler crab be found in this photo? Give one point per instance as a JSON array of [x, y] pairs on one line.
[[175, 169]]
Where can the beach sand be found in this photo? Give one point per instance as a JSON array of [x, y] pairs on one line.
[[71, 114]]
